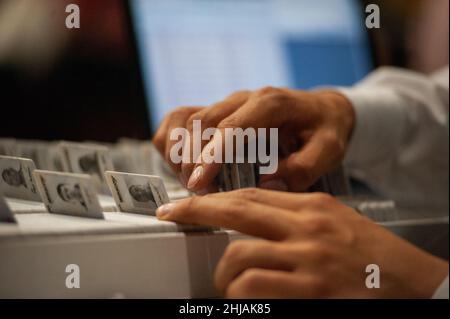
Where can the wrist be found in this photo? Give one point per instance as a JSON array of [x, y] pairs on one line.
[[345, 115]]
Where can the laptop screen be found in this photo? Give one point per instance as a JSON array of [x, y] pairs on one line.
[[196, 52]]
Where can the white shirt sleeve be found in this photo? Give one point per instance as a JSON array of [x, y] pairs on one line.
[[400, 143], [442, 291]]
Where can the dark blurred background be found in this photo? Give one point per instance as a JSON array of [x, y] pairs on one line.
[[73, 84], [80, 84]]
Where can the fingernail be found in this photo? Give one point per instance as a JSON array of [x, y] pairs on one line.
[[275, 184], [195, 177], [165, 210]]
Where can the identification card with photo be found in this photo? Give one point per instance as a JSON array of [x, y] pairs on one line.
[[69, 193], [88, 159], [34, 150], [136, 193], [246, 173], [225, 181], [234, 173], [16, 178]]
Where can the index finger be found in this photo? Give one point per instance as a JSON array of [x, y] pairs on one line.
[[261, 110], [209, 118], [239, 214]]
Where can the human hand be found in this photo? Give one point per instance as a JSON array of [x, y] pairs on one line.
[[314, 129], [313, 247]]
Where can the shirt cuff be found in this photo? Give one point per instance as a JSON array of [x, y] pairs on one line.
[[442, 291], [379, 121]]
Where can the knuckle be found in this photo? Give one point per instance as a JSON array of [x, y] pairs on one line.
[[345, 235], [208, 119], [304, 171], [273, 97], [245, 284], [251, 193], [180, 111], [318, 225], [234, 252], [339, 148], [333, 143], [229, 122], [198, 116], [322, 198], [250, 279], [329, 137], [315, 255], [239, 94], [236, 207], [348, 238], [268, 90]]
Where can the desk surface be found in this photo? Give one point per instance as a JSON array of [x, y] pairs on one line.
[[133, 256]]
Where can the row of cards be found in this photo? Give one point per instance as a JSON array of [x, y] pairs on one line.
[[81, 158], [237, 175], [77, 194], [127, 155], [335, 183], [141, 157]]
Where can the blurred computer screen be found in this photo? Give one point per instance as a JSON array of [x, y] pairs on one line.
[[133, 61], [74, 84], [196, 52]]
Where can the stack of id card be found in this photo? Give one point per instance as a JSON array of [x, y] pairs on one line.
[[45, 155], [237, 175], [137, 193], [69, 193], [91, 157], [140, 157], [335, 183], [86, 158]]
